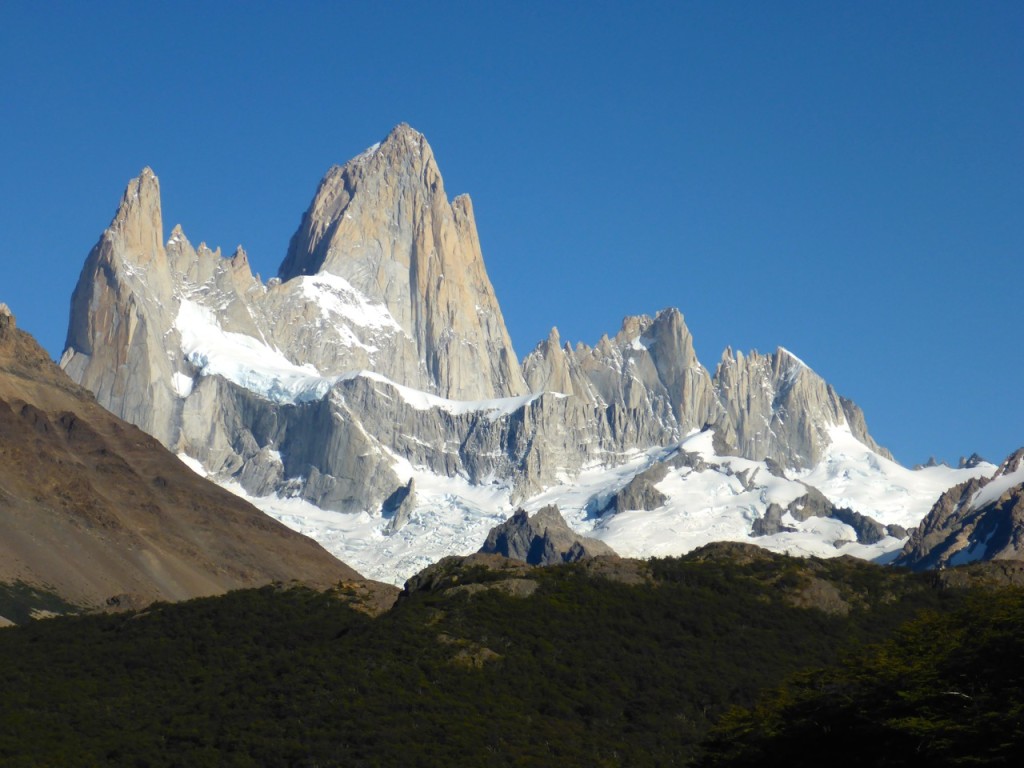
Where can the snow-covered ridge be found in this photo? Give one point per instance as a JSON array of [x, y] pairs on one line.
[[243, 360], [851, 475], [366, 154], [796, 359], [264, 371], [722, 501], [424, 401], [995, 489], [719, 502]]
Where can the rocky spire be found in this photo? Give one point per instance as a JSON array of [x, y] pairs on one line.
[[649, 369], [547, 367], [776, 407], [383, 223], [120, 312]]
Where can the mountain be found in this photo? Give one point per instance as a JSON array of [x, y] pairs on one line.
[[378, 361], [99, 514], [981, 519]]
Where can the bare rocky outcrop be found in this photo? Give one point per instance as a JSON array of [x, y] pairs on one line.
[[639, 492], [982, 519], [814, 504], [543, 539], [398, 506]]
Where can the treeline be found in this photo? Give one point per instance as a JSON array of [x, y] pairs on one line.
[[586, 670]]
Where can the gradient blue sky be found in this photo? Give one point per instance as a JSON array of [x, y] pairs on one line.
[[842, 179]]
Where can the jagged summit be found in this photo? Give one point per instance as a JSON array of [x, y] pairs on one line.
[[1011, 465], [776, 407], [390, 173], [379, 357], [138, 222], [383, 223]]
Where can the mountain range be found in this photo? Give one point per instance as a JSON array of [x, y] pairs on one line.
[[369, 395]]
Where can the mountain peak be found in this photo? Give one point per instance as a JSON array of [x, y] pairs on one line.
[[1012, 463], [383, 223], [785, 355], [385, 276], [138, 222], [398, 172], [402, 140], [405, 133]]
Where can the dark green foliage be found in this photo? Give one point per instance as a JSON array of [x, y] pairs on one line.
[[585, 671], [947, 689]]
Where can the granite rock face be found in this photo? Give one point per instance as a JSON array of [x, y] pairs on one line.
[[646, 380], [381, 346], [383, 224], [761, 406], [775, 407], [120, 311]]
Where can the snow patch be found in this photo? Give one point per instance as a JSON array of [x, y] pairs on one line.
[[194, 464], [423, 401], [366, 154], [243, 360], [181, 384], [973, 552], [339, 300]]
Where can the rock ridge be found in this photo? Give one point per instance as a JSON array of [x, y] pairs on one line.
[[543, 539], [380, 351]]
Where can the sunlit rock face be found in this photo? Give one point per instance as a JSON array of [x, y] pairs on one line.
[[379, 354]]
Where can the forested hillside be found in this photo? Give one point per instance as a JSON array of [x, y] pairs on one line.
[[481, 662]]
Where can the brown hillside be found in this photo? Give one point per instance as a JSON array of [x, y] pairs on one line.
[[97, 511]]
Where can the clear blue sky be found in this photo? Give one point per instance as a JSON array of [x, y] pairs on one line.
[[842, 179]]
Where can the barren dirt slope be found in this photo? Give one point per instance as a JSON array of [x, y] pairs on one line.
[[97, 511]]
